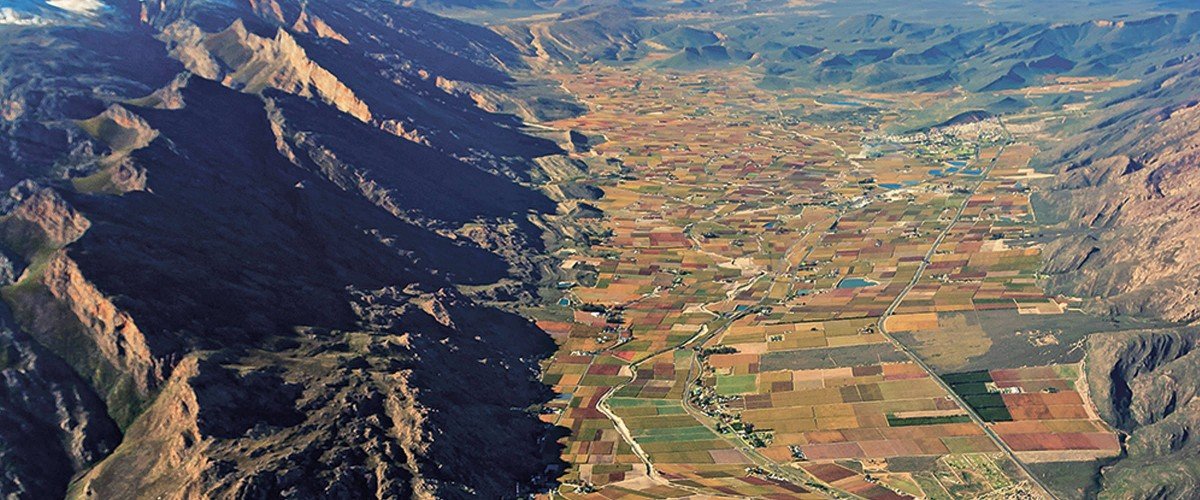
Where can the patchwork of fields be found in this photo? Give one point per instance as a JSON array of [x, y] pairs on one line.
[[727, 327]]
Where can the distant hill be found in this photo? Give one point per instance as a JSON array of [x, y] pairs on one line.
[[685, 37], [703, 57], [588, 34], [439, 5], [966, 118], [1009, 104], [873, 51]]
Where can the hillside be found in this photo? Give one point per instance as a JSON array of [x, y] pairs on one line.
[[1125, 204], [1145, 383], [244, 226], [1127, 199]]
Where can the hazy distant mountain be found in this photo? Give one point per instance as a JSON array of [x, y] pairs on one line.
[[871, 50], [436, 5]]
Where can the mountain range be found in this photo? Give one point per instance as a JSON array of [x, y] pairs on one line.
[[273, 248]]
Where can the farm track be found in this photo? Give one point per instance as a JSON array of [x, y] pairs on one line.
[[796, 476]]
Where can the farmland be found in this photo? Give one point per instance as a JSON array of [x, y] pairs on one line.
[[758, 278]]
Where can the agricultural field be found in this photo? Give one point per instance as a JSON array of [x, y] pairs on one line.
[[756, 283], [1039, 412]]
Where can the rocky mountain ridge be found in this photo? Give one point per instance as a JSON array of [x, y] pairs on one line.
[[234, 242]]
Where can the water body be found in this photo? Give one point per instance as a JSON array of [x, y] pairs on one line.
[[856, 283], [891, 185]]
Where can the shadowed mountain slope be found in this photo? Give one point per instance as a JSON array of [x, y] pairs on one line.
[[233, 240]]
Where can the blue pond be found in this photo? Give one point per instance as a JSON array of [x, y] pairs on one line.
[[958, 163], [972, 171], [856, 283], [890, 185]]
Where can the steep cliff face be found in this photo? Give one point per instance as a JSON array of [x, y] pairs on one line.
[[64, 311], [231, 276], [249, 62], [1144, 382], [1129, 371], [388, 66], [68, 314]]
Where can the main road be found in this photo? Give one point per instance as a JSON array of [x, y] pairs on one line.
[[882, 327]]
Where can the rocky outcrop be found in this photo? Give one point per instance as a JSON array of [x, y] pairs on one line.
[[1172, 387], [40, 220], [120, 129], [1143, 382], [499, 388], [117, 339], [306, 23], [333, 414], [117, 175], [1163, 461], [1119, 363], [384, 65], [243, 60]]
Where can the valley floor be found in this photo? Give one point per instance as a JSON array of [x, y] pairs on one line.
[[781, 301]]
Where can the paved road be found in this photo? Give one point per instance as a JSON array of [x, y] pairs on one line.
[[917, 359]]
